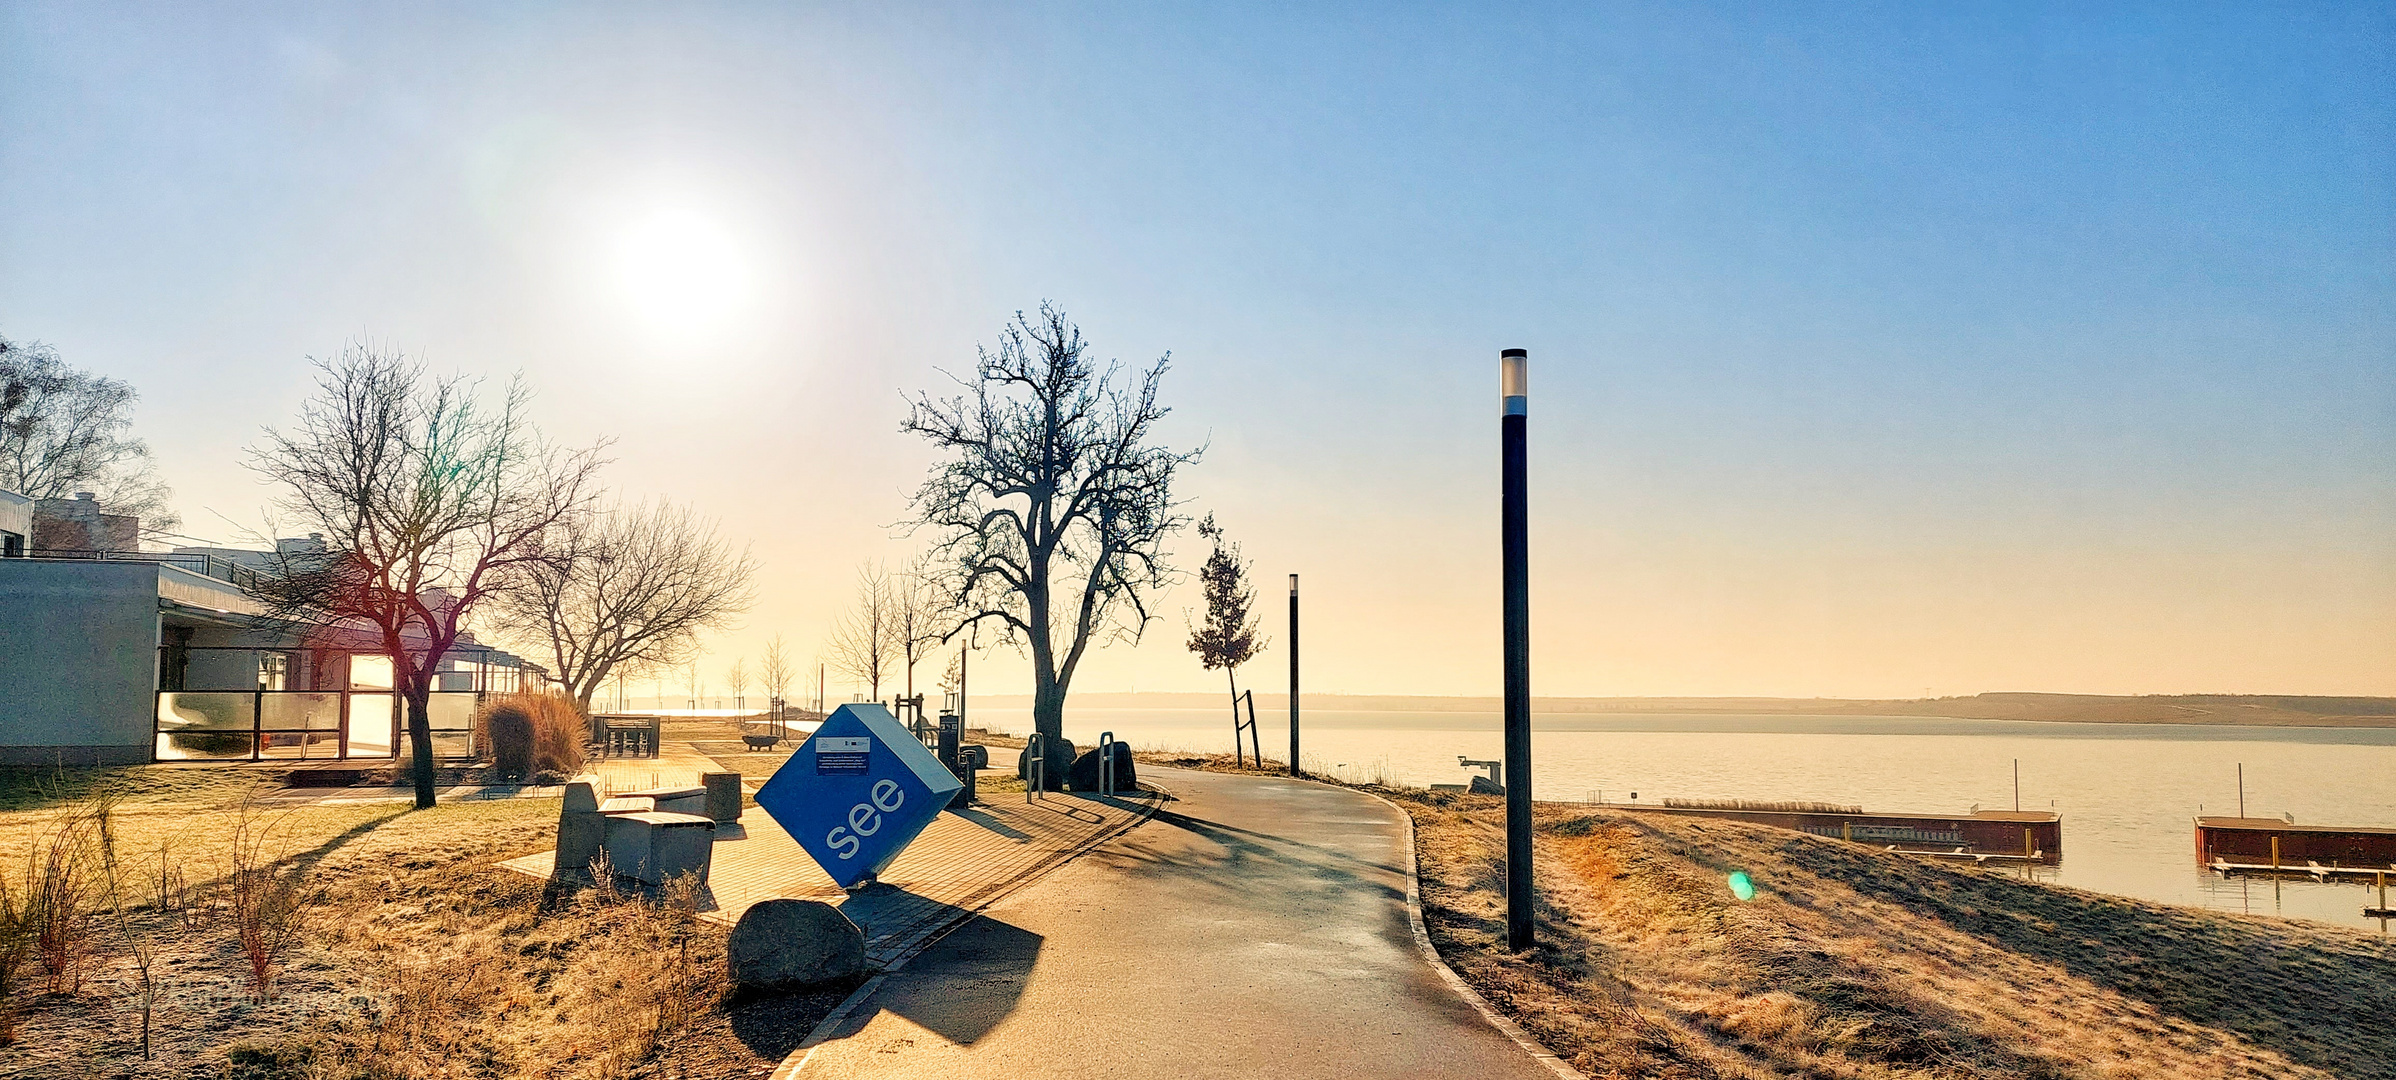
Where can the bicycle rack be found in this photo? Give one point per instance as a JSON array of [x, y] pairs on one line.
[[1038, 773], [1106, 763]]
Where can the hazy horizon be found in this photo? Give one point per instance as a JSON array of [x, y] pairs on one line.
[[1876, 352]]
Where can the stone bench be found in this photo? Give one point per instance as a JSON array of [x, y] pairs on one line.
[[665, 800], [586, 826], [655, 847]]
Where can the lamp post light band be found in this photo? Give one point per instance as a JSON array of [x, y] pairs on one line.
[[1514, 520]]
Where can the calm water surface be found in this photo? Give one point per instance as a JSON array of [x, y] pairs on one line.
[[2127, 792]]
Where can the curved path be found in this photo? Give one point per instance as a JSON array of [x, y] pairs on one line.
[[1253, 927]]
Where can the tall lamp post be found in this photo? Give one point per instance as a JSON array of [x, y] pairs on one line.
[[1514, 514], [1293, 674]]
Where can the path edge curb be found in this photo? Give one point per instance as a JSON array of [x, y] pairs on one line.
[[1422, 943], [822, 1031]]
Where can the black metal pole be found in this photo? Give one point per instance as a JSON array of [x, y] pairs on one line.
[[1293, 674], [1513, 367]]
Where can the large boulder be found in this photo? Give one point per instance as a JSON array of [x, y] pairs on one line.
[[787, 945], [1059, 762], [1085, 771]]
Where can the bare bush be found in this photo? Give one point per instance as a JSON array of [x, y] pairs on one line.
[[59, 893], [16, 943], [268, 901]]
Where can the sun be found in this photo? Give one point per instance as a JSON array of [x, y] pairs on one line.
[[682, 271]]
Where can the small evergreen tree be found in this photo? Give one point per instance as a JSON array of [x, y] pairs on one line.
[[1229, 636]]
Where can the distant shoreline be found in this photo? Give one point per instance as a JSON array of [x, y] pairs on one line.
[[2217, 710]]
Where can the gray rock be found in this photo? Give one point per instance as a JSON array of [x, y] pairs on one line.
[[1085, 771], [785, 945], [1483, 785], [1059, 762]]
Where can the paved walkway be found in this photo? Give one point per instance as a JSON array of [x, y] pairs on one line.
[[1253, 927]]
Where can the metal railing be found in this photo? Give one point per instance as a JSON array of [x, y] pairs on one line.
[[206, 565]]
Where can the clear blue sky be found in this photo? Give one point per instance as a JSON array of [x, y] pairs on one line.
[[1876, 348]]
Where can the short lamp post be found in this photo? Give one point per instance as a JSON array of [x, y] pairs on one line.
[[1514, 514]]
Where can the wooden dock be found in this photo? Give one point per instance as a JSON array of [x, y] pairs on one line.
[[1984, 836], [2273, 845]]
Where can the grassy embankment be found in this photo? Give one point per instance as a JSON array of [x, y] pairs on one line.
[[1856, 963], [414, 956]]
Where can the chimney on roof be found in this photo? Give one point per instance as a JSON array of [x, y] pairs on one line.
[[86, 496]]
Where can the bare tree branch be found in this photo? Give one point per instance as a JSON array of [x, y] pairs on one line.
[[1051, 490], [427, 498]]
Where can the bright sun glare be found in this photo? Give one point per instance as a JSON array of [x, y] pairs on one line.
[[682, 271]]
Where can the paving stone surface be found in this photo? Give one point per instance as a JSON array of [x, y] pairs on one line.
[[962, 861]]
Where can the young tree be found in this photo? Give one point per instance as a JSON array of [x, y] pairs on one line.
[[427, 496], [863, 643], [1229, 636], [64, 431], [624, 586], [737, 677], [1052, 505], [776, 669], [915, 616]]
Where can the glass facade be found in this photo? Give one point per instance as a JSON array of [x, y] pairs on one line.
[[237, 704]]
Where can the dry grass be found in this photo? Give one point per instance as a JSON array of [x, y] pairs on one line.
[[417, 958], [1860, 964]]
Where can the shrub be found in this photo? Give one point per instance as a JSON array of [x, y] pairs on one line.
[[535, 732]]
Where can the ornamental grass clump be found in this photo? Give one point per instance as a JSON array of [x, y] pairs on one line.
[[533, 733]]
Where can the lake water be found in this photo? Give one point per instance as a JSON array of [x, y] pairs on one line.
[[2127, 792]]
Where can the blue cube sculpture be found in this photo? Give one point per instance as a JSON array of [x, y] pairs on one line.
[[857, 791]]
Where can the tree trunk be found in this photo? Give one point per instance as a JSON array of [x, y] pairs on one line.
[[419, 692], [1048, 706], [1232, 674]]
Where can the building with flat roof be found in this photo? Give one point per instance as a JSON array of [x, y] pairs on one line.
[[124, 656]]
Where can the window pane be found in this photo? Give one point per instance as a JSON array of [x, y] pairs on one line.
[[299, 744], [369, 672], [204, 745], [293, 710], [451, 712], [202, 710], [370, 725]]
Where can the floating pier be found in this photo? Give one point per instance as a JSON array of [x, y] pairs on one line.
[[1984, 836], [2270, 845]]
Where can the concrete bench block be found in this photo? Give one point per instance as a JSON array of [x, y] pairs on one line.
[[672, 800], [723, 796], [654, 847]]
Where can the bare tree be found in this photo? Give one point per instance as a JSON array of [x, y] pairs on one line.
[[1229, 636], [864, 642], [1053, 505], [776, 670], [64, 431], [737, 677], [691, 670], [916, 609], [624, 586], [427, 496]]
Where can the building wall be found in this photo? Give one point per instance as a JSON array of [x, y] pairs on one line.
[[16, 523], [78, 660], [78, 525]]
